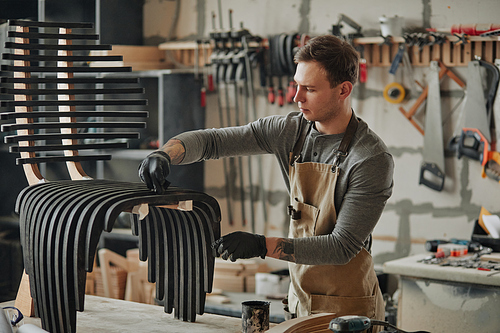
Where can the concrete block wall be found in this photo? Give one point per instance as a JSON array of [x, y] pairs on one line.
[[414, 213]]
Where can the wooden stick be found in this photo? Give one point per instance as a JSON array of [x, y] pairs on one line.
[[24, 302]]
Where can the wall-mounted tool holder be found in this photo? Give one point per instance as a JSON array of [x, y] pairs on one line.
[[139, 57], [185, 52], [379, 51], [453, 51]]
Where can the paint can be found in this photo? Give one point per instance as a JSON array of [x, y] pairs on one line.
[[255, 316]]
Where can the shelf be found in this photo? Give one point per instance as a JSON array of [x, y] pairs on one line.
[[398, 40], [450, 52]]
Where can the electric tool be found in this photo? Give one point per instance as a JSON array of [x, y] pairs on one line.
[[347, 324]]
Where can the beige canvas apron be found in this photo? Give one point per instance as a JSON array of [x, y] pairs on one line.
[[350, 289]]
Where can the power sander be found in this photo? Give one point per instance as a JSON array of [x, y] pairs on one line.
[[349, 324]]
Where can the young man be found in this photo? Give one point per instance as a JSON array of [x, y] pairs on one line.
[[337, 171]]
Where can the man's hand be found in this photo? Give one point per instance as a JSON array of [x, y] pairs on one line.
[[154, 170], [240, 245]]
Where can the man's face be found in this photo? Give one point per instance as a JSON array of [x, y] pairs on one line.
[[315, 98]]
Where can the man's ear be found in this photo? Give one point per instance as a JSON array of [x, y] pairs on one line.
[[345, 89]]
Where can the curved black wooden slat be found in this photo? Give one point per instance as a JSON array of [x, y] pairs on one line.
[[68, 25], [75, 102], [72, 80], [201, 261], [143, 250], [58, 125], [71, 47], [151, 244], [171, 295], [72, 114], [39, 35], [196, 277], [56, 159], [49, 148], [68, 58], [159, 253], [134, 224], [72, 136], [178, 265], [51, 69], [38, 92], [170, 260], [185, 269], [208, 253]]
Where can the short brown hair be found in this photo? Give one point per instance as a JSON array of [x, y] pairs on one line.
[[337, 57]]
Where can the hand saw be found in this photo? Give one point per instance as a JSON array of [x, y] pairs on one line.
[[492, 166], [475, 141], [432, 169]]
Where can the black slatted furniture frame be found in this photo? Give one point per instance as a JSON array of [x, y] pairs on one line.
[[59, 114]]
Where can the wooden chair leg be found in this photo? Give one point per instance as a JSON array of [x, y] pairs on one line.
[[24, 302]]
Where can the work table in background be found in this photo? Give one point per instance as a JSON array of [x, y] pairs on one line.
[[410, 266], [445, 298]]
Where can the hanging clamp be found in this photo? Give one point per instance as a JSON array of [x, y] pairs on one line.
[[462, 39]]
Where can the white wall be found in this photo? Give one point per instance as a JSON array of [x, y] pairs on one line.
[[414, 213]]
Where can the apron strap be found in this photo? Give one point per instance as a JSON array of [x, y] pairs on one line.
[[300, 142], [346, 139], [344, 144]]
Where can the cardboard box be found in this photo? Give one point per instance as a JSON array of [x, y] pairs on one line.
[[267, 284], [236, 276]]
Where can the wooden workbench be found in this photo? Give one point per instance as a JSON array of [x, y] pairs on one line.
[[116, 316]]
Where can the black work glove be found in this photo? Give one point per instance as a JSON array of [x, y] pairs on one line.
[[240, 245], [154, 170]]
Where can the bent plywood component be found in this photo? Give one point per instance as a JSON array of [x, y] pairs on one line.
[[61, 221]]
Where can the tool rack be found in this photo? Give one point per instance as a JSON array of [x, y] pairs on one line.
[[185, 52], [380, 51], [453, 51]]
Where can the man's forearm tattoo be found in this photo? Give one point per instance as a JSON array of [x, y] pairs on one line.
[[175, 150], [285, 249]]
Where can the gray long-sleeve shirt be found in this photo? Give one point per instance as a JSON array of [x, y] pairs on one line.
[[363, 186]]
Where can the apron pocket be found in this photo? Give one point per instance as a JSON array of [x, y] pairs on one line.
[[305, 226], [344, 306]]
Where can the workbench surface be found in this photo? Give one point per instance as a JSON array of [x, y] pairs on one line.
[[437, 298], [111, 315], [409, 266]]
